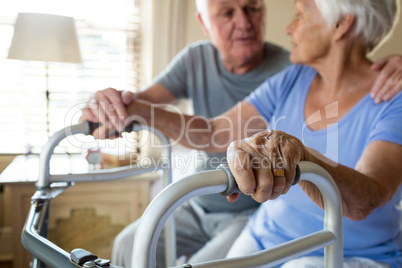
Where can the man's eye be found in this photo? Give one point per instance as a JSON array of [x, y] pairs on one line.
[[227, 13], [253, 9]]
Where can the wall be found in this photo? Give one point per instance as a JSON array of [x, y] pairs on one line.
[[279, 14]]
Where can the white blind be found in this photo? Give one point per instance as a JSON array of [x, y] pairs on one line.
[[109, 38]]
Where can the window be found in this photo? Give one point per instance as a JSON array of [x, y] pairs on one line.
[[109, 37]]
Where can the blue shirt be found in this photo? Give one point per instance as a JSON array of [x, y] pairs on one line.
[[281, 101]]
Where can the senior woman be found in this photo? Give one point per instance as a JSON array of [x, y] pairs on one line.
[[326, 106]]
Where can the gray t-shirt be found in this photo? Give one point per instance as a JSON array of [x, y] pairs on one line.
[[197, 73]]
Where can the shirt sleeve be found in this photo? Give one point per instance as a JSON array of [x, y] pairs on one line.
[[273, 90], [262, 100], [174, 77], [388, 124]]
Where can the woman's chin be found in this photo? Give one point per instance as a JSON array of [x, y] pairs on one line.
[[295, 59]]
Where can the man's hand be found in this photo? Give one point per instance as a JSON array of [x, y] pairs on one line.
[[253, 160], [389, 82], [107, 107]]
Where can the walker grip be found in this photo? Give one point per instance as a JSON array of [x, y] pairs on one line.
[[128, 128], [232, 185], [81, 256]]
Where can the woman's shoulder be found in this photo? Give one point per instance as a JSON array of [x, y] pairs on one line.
[[299, 69], [292, 74], [286, 81]]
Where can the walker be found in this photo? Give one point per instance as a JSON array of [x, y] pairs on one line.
[[157, 213]]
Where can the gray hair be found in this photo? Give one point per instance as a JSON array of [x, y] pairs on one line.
[[374, 18], [202, 8]]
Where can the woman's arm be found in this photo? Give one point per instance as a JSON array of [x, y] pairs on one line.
[[373, 182]]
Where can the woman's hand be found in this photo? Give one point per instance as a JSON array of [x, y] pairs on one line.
[[107, 107], [389, 82], [253, 162]]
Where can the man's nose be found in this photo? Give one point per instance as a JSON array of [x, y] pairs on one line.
[[243, 20]]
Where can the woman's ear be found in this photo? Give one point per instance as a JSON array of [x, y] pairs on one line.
[[204, 28], [344, 26]]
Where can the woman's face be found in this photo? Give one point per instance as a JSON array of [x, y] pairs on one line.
[[311, 37]]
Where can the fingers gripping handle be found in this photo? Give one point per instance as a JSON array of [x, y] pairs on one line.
[[232, 185]]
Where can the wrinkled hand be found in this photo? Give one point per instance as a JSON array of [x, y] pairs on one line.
[[389, 82], [107, 107], [253, 159]]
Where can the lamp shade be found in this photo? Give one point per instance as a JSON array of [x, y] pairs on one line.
[[44, 37]]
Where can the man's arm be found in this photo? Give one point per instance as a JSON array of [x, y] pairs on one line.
[[154, 94], [196, 132], [389, 82]]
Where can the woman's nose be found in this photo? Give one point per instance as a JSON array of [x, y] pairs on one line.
[[289, 28]]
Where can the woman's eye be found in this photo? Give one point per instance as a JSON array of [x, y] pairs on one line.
[[297, 16]]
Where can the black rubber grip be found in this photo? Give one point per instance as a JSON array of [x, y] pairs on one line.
[[297, 175], [127, 128], [81, 256]]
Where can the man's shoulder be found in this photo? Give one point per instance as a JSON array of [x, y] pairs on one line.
[[206, 45], [201, 46], [197, 51], [275, 49], [275, 59]]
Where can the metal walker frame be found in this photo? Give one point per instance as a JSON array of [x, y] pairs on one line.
[[163, 205]]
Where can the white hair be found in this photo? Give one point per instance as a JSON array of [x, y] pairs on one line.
[[202, 8], [374, 18]]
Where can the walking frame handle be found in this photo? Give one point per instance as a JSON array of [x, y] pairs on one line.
[[232, 185], [221, 181]]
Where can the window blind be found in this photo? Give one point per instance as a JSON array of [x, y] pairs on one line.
[[110, 43]]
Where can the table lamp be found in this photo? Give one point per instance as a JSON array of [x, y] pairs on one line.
[[47, 38]]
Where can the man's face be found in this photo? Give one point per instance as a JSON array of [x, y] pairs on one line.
[[237, 28]]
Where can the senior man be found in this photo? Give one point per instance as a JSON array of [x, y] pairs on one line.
[[216, 75]]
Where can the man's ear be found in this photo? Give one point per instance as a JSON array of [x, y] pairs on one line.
[[344, 26], [204, 28]]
